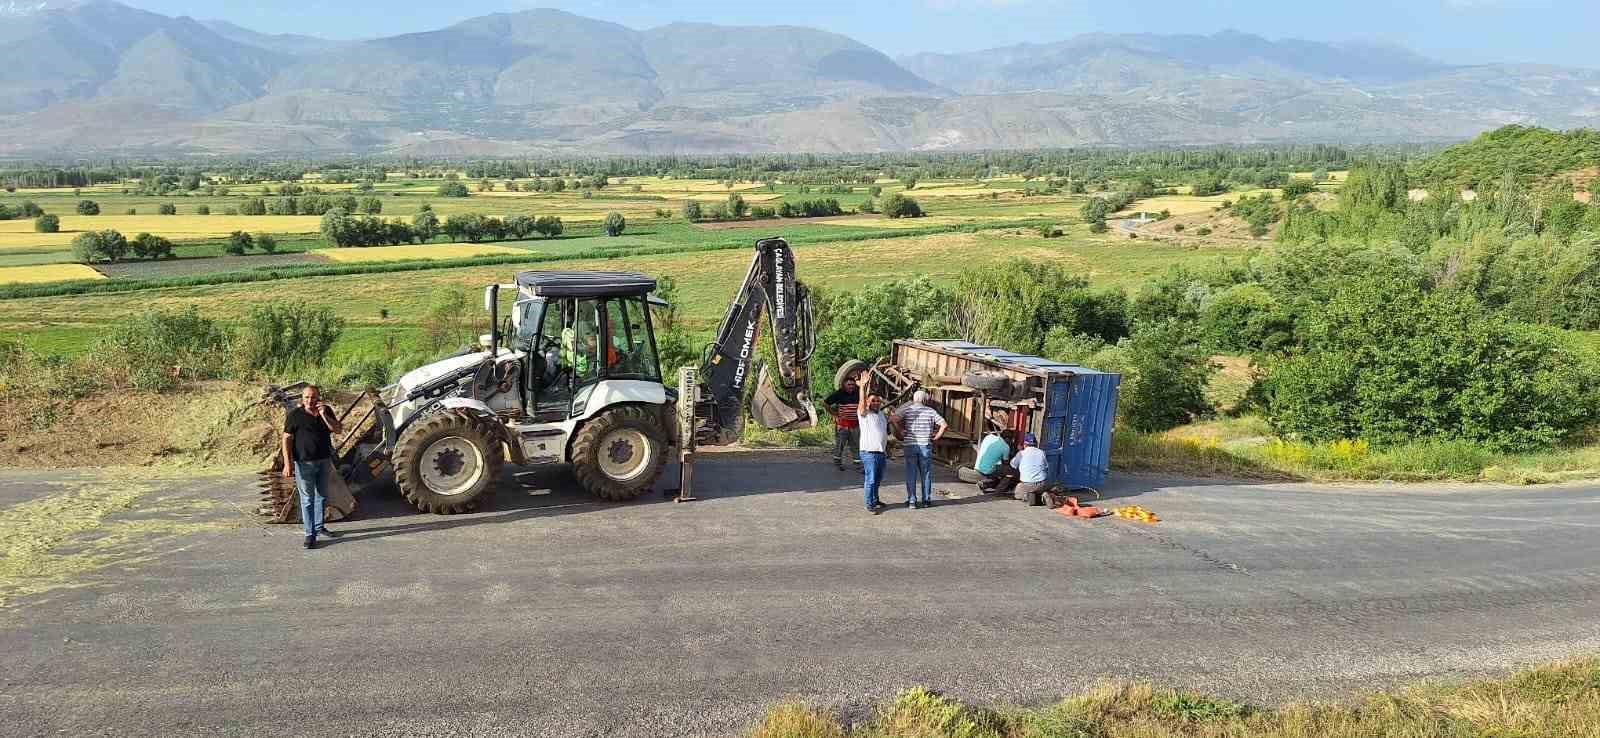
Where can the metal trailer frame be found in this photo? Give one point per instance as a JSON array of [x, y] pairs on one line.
[[1070, 408]]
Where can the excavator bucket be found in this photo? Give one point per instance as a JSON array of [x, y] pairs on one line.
[[280, 501], [774, 412]]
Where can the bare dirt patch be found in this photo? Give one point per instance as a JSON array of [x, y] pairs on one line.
[[214, 424]]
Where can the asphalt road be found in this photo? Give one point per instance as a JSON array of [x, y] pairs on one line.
[[549, 614]]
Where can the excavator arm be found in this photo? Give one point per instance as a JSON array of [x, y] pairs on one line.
[[732, 357]]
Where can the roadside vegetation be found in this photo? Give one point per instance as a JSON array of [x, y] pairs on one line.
[[1392, 329], [1561, 699]]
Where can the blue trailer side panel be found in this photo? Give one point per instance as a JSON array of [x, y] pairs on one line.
[[1056, 425], [1092, 414]]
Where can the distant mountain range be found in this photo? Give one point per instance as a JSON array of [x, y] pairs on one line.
[[97, 77]]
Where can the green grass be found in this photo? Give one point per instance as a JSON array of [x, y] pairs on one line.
[[1561, 699], [1245, 447], [59, 321]]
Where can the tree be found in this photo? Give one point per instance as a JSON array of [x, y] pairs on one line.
[[453, 189], [336, 227], [168, 209], [425, 224], [146, 246], [1387, 361], [736, 205], [47, 223], [692, 211], [1297, 187], [88, 207], [371, 205], [1014, 304], [615, 223], [86, 247], [266, 243], [548, 225], [900, 206], [253, 206], [238, 243], [520, 226], [202, 210]]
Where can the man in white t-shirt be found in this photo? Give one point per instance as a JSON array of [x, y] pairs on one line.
[[1033, 467], [874, 439]]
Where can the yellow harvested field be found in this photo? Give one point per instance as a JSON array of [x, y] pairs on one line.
[[425, 251], [748, 197], [968, 191], [667, 186], [893, 223], [1186, 205], [47, 273], [20, 233]]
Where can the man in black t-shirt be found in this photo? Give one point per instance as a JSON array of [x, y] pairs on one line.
[[308, 458]]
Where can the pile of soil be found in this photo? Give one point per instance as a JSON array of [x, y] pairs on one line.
[[214, 424]]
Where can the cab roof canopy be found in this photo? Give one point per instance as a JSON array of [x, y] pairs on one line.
[[585, 284]]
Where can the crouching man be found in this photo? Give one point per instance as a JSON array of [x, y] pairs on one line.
[[308, 458], [1032, 469]]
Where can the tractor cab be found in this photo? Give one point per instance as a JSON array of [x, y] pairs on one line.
[[577, 330]]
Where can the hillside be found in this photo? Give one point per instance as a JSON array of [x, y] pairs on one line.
[[99, 77], [1524, 152]]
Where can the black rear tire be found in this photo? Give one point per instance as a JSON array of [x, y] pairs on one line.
[[449, 447], [619, 454]]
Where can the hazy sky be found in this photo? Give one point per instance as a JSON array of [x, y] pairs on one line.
[[1548, 31]]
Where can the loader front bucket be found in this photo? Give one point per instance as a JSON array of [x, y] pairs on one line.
[[280, 501]]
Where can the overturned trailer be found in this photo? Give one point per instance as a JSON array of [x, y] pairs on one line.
[[1071, 409]]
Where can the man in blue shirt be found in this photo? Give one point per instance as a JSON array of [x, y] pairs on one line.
[[992, 454]]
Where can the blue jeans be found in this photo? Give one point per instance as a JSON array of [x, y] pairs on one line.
[[919, 468], [872, 465], [311, 481]]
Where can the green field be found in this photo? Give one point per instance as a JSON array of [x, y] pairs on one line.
[[706, 280]]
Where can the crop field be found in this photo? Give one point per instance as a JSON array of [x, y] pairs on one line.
[[1188, 205], [19, 234], [423, 251], [47, 273], [393, 303]]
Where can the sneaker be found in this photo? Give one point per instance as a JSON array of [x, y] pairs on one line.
[[311, 542], [911, 505], [927, 503], [875, 509], [326, 532]]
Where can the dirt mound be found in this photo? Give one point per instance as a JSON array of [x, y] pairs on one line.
[[217, 424]]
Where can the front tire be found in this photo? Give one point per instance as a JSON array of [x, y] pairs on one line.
[[448, 462], [619, 453]]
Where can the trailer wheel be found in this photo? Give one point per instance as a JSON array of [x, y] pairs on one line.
[[447, 462], [619, 453], [987, 381], [851, 367]]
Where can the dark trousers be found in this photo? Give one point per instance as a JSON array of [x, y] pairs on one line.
[[846, 444]]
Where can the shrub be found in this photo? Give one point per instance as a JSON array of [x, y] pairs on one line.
[[453, 189], [615, 223], [448, 323], [47, 223], [1097, 226], [131, 211], [168, 209], [278, 338], [154, 348], [864, 324], [1387, 362], [266, 243], [1245, 318], [88, 207], [900, 206], [238, 243], [548, 225], [371, 205], [1015, 303], [202, 210], [1164, 377], [146, 246], [253, 206]]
